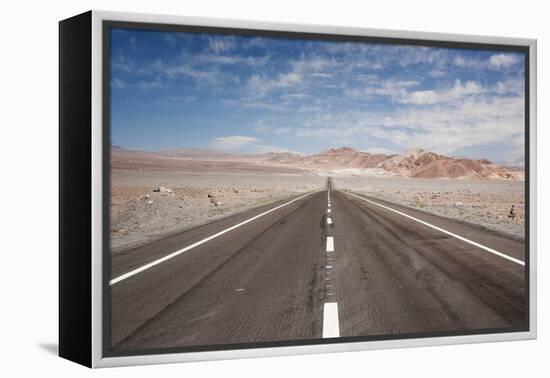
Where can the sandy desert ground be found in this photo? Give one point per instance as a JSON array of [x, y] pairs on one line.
[[191, 193], [153, 196], [482, 202]]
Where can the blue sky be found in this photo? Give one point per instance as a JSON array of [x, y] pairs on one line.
[[247, 94]]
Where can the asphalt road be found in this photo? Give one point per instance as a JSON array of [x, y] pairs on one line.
[[326, 264]]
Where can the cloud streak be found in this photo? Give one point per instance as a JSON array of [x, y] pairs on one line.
[[244, 144]]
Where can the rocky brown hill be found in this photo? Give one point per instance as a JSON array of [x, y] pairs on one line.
[[344, 157], [280, 157], [413, 163], [425, 164]]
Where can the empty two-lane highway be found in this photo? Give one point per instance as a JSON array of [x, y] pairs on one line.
[[324, 264]]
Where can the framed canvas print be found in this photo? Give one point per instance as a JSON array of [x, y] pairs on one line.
[[233, 189]]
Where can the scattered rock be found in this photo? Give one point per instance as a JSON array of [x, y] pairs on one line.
[[236, 191], [458, 203], [149, 202], [162, 189], [169, 190]]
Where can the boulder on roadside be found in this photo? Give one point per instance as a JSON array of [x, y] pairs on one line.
[[512, 214], [161, 189]]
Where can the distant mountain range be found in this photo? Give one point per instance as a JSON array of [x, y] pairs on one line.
[[518, 165], [413, 163], [115, 146]]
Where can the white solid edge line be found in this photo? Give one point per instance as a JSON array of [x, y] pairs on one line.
[[495, 252], [189, 247], [331, 324], [330, 244]]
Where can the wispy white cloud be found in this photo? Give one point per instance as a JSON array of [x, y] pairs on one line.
[[233, 142], [156, 83], [220, 44], [184, 68], [176, 100], [262, 128], [117, 83], [252, 102], [295, 96], [448, 129], [494, 62], [266, 148], [192, 69], [288, 79], [170, 39], [380, 150], [460, 117], [503, 60], [232, 59], [430, 96], [244, 144], [393, 89], [260, 85], [323, 75]]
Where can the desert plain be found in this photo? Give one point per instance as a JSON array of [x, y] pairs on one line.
[[157, 194]]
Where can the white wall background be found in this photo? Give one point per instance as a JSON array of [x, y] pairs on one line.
[[28, 185]]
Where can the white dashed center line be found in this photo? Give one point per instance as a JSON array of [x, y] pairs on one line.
[[331, 324], [330, 244]]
